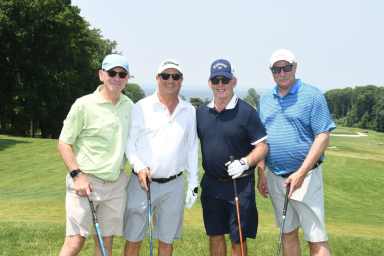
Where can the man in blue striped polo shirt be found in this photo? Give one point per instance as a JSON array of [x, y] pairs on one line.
[[298, 124]]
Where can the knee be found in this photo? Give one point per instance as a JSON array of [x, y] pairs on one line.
[[319, 248], [291, 236], [74, 243], [217, 239]]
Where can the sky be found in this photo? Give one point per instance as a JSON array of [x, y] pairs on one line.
[[337, 43]]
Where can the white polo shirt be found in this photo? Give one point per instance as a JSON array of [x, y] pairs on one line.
[[164, 142]]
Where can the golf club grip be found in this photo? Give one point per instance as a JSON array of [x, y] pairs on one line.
[[286, 200]]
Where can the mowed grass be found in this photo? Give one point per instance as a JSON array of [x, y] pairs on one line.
[[32, 189]]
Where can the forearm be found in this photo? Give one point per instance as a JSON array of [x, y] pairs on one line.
[[257, 154], [317, 149], [68, 156]]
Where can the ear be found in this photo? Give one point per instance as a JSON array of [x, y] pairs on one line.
[[101, 75], [234, 82]]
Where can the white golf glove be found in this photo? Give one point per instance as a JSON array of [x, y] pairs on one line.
[[237, 167], [191, 197]]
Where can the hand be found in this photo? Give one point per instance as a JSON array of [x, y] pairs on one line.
[[237, 167], [191, 197], [144, 177], [295, 180], [262, 186], [82, 185]]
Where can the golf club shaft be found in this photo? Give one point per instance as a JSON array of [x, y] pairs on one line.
[[237, 203], [149, 217], [97, 229], [280, 244]]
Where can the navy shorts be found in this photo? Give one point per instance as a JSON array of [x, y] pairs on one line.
[[220, 216]]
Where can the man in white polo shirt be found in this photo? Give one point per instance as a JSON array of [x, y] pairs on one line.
[[92, 144], [162, 144]]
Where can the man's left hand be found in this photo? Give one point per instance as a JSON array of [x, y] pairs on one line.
[[237, 167]]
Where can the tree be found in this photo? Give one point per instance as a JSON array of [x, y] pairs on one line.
[[48, 57], [134, 92], [252, 98], [196, 101]]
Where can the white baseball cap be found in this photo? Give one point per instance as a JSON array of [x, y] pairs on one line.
[[282, 54], [169, 63]]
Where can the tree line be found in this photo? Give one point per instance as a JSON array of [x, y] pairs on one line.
[[361, 106]]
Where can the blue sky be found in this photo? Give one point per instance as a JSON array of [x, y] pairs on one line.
[[337, 43]]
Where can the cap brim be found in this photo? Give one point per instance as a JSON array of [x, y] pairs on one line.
[[223, 73]]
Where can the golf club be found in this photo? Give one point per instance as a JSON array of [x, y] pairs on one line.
[[97, 229], [280, 243], [149, 212], [237, 203]]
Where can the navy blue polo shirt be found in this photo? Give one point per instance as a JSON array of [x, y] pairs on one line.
[[232, 132]]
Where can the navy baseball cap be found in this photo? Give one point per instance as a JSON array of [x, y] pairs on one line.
[[221, 67]]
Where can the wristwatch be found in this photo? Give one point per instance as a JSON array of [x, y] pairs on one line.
[[74, 173]]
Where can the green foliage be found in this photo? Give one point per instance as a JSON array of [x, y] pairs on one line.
[[252, 98], [362, 106], [32, 192], [48, 57], [134, 92], [196, 101]]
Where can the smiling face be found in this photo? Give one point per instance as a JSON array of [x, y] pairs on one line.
[[114, 84], [222, 91], [169, 82], [284, 74]]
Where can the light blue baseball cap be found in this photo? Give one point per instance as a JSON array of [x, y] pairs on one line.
[[115, 60]]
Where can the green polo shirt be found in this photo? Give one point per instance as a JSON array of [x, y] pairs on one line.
[[98, 133]]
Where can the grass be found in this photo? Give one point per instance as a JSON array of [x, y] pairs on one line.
[[32, 193]]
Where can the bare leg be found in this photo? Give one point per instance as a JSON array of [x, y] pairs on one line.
[[217, 245], [319, 249], [165, 249], [132, 248], [236, 249], [107, 243], [72, 245], [291, 243]]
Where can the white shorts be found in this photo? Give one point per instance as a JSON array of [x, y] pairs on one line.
[[305, 207], [167, 201], [109, 199]]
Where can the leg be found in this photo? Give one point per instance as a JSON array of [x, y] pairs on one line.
[[72, 245], [217, 245], [236, 249], [165, 249], [319, 249], [107, 244], [132, 248], [291, 243]]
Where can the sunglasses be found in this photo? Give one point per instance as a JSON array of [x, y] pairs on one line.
[[175, 77], [218, 79], [113, 73], [286, 68]]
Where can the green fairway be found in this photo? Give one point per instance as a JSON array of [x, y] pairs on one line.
[[32, 189]]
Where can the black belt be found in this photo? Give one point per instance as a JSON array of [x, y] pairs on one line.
[[162, 180], [286, 175]]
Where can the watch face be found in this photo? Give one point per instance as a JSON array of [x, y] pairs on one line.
[[74, 173]]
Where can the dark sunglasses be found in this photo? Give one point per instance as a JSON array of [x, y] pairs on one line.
[[113, 73], [286, 68], [166, 76], [217, 79]]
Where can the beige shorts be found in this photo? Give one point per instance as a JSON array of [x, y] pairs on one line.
[[305, 207], [109, 200]]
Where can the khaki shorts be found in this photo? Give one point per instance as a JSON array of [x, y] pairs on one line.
[[109, 199], [305, 207], [167, 208]]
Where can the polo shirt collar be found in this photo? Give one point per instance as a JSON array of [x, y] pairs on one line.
[[100, 99], [294, 89], [231, 104]]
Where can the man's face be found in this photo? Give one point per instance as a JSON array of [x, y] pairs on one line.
[[169, 82], [284, 73], [114, 80], [222, 87]]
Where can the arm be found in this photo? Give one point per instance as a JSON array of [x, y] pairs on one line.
[[81, 183], [262, 180], [317, 149]]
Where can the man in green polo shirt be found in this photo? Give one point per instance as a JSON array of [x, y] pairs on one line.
[[92, 144]]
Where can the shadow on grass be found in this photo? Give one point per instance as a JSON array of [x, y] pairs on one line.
[[6, 143]]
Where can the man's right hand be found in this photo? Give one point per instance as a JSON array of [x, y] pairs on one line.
[[82, 185], [142, 176]]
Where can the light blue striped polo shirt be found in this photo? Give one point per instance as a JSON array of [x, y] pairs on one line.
[[292, 122]]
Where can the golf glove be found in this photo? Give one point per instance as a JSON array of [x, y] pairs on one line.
[[237, 167], [191, 197]]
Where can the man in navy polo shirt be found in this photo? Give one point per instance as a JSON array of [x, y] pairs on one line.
[[228, 127], [298, 124]]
